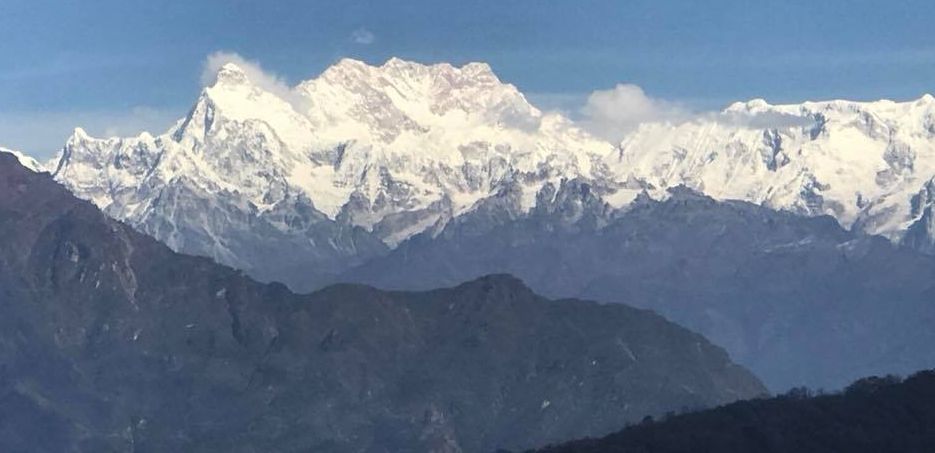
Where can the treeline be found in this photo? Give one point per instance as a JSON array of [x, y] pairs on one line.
[[873, 415]]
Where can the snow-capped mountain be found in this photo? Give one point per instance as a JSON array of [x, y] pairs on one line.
[[336, 168], [868, 164], [296, 184]]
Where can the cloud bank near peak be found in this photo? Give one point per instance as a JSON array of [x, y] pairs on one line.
[[612, 114]]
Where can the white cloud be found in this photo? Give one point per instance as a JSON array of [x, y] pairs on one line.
[[363, 36], [612, 113]]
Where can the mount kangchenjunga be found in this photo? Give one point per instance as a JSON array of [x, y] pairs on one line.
[[332, 172], [296, 185]]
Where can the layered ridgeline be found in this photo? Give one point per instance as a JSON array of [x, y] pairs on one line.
[[798, 300], [109, 341], [296, 184]]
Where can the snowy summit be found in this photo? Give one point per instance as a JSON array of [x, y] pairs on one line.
[[357, 160]]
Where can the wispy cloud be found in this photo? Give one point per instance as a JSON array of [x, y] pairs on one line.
[[257, 75], [264, 79], [363, 36]]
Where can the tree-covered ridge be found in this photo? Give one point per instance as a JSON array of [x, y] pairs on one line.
[[872, 415]]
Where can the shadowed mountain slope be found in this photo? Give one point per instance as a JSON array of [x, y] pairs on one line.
[[109, 341]]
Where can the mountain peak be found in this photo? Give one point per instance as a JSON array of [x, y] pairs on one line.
[[78, 135], [231, 74], [396, 62], [350, 63], [345, 67], [477, 68]]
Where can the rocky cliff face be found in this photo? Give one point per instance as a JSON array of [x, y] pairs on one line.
[[110, 341]]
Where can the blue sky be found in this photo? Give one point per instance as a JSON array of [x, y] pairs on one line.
[[120, 66]]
